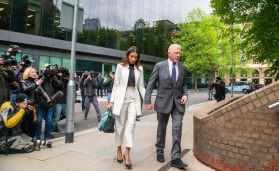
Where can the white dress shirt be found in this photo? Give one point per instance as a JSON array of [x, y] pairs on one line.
[[170, 68]]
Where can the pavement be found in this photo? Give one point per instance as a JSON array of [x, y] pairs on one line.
[[95, 150]]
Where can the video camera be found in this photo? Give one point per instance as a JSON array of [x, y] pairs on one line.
[[92, 74], [51, 70], [27, 61], [9, 60], [9, 57], [65, 72], [85, 75]]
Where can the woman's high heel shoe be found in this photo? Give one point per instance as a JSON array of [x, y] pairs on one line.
[[128, 166], [119, 161]]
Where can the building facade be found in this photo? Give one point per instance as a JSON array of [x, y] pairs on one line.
[[255, 73], [109, 28]]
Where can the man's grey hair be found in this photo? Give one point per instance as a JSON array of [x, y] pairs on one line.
[[173, 46]]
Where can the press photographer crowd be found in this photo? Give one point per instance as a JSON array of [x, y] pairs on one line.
[[28, 96]]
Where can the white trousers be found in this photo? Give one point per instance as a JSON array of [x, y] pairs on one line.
[[125, 122]]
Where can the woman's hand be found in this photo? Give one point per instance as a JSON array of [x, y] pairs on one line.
[[39, 82], [110, 106], [48, 100]]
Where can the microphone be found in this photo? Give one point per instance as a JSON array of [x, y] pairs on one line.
[[56, 96]]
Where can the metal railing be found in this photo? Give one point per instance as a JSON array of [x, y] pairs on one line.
[[274, 105]]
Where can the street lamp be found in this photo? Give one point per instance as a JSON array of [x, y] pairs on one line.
[[232, 62]]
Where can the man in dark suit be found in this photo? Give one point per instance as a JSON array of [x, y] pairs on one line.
[[170, 77]]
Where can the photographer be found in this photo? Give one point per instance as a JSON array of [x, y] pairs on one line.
[[7, 80], [62, 74], [90, 95], [220, 93], [19, 120], [109, 84], [51, 85], [84, 76], [21, 67], [100, 82]]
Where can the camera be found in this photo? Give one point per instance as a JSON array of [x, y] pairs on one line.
[[85, 75], [13, 50], [29, 102], [9, 60], [51, 70], [27, 61], [92, 74], [65, 72], [10, 56]]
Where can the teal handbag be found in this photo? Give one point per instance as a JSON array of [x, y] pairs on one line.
[[108, 117]]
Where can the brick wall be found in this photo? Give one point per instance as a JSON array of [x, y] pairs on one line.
[[242, 135]]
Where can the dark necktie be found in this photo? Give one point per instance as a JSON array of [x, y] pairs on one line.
[[173, 75]]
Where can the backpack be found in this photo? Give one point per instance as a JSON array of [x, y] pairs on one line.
[[3, 129]]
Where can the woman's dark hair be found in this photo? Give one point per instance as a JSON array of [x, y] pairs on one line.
[[125, 59]]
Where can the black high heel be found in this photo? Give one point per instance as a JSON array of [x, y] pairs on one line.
[[128, 166], [120, 161]]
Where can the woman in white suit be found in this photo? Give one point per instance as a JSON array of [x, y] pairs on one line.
[[125, 101]]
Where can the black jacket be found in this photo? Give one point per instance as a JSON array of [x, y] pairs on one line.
[[51, 86], [220, 89], [90, 87], [109, 84], [31, 89], [7, 81]]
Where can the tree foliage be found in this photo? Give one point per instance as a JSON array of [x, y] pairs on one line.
[[260, 20], [206, 44]]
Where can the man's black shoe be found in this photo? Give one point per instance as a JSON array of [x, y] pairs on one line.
[[160, 158], [178, 164], [137, 119]]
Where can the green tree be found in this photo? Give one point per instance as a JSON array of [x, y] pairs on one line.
[[205, 43], [260, 31]]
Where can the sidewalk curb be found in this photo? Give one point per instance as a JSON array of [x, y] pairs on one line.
[[82, 132]]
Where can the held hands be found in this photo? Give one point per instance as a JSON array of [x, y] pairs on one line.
[[110, 106], [149, 106], [184, 99]]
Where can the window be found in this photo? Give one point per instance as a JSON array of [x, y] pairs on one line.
[[19, 16], [255, 61], [5, 12], [43, 60], [267, 74], [34, 17], [55, 60], [66, 62], [255, 73]]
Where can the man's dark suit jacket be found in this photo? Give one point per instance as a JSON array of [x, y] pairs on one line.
[[166, 93]]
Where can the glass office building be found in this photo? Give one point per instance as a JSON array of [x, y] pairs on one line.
[[109, 28]]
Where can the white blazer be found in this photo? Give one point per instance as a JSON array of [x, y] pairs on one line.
[[120, 86]]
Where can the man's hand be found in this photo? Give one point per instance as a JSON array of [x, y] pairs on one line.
[[31, 108], [149, 106], [110, 106], [89, 77], [184, 99], [23, 105], [8, 67], [1, 61]]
